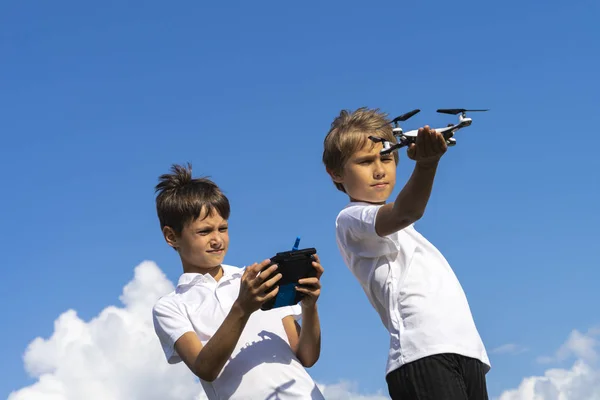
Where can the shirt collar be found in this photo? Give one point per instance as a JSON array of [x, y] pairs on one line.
[[189, 279]]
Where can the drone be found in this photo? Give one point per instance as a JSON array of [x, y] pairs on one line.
[[406, 138]]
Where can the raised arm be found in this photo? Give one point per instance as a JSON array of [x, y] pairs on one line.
[[207, 361], [412, 200]]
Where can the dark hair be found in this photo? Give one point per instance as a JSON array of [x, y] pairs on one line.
[[182, 199]]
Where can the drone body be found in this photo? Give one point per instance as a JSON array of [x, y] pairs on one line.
[[406, 138]]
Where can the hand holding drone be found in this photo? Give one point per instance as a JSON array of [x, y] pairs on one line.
[[407, 138]]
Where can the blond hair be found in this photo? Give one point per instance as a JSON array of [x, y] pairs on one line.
[[349, 133]]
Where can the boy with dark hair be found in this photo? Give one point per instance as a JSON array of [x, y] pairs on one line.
[[212, 321], [435, 349]]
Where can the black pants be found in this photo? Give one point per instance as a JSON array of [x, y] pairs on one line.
[[439, 377]]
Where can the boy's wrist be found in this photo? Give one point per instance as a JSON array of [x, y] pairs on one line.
[[427, 165], [309, 308], [238, 311]]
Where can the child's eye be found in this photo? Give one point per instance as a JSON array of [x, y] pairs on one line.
[[223, 228], [203, 233]]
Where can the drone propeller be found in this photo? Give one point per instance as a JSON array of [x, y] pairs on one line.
[[455, 111], [406, 116]]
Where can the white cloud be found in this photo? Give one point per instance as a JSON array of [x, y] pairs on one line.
[[579, 345], [580, 382], [117, 356], [509, 348]]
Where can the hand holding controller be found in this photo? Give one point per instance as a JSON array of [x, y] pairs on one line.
[[258, 285], [297, 267], [311, 287]]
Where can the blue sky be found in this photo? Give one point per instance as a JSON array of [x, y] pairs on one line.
[[100, 99]]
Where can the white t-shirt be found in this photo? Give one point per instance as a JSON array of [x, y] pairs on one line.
[[262, 364], [412, 287]]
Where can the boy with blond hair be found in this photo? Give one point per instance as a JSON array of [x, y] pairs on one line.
[[213, 321], [435, 350]]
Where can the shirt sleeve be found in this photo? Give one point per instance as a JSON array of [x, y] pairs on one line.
[[356, 232], [170, 324], [295, 311]]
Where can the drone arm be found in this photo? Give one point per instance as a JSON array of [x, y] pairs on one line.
[[410, 203], [447, 131]]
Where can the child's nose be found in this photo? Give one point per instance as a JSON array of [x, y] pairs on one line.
[[379, 172]]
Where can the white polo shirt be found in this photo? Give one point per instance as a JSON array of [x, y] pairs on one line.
[[411, 285], [262, 364]]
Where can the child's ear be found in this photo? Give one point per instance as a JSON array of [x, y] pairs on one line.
[[170, 236], [337, 177]]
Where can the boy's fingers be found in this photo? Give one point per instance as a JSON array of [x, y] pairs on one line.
[[422, 142], [308, 292], [251, 271], [257, 267], [264, 275], [309, 281], [317, 265], [411, 151], [442, 143], [270, 283], [430, 143], [435, 143], [270, 295], [419, 139], [319, 268]]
